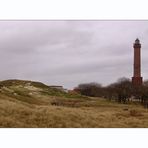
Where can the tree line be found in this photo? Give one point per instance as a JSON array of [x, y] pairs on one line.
[[121, 91]]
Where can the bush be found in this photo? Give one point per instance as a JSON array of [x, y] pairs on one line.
[[134, 112]]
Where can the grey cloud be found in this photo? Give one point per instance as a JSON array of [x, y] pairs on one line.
[[70, 52]]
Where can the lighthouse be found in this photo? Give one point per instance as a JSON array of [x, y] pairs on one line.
[[137, 79]]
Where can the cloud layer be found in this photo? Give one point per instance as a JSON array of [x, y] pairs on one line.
[[70, 52]]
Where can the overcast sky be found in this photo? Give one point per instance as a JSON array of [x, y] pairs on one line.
[[71, 52]]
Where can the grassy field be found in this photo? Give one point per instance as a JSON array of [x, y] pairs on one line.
[[33, 104]]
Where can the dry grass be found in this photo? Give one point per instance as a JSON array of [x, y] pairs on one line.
[[99, 113], [20, 107]]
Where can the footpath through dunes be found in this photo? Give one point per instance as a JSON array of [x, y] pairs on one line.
[[34, 104]]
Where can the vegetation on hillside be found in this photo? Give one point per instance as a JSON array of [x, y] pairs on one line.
[[33, 104]]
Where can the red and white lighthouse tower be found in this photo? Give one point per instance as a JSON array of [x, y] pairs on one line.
[[137, 79]]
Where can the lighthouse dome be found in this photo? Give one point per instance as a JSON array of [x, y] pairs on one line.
[[137, 41]]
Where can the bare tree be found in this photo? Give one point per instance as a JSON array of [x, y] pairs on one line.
[[90, 89]]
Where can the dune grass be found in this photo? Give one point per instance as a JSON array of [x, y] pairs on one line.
[[90, 113], [37, 106]]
